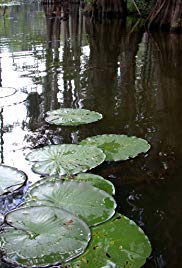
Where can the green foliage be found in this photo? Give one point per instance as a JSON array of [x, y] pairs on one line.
[[94, 180], [10, 179], [118, 243], [144, 6], [118, 147], [41, 236], [65, 159], [82, 199], [51, 227], [72, 117]]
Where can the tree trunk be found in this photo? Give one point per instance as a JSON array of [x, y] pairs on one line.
[[167, 15], [106, 9]]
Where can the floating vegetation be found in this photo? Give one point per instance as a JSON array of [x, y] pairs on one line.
[[41, 236], [118, 147], [118, 242], [11, 179], [94, 180], [91, 204], [72, 117], [65, 159], [51, 227]]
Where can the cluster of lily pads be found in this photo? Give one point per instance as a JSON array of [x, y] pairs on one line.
[[69, 217]]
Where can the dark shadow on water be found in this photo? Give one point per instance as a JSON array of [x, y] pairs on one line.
[[133, 78]]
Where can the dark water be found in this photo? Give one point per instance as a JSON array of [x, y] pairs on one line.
[[54, 57]]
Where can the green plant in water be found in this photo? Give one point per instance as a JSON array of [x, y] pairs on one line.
[[72, 117], [91, 204], [94, 180], [11, 179], [118, 147], [51, 227], [41, 236], [65, 159], [118, 243]]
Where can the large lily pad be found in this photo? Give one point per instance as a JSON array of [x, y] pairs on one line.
[[72, 117], [82, 199], [118, 243], [11, 179], [65, 159], [94, 180], [118, 147], [42, 236]]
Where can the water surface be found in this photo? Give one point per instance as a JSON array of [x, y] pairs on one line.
[[52, 57]]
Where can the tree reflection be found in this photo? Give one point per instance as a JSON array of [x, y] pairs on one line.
[[132, 78]]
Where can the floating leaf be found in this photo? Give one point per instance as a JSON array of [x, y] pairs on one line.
[[82, 199], [94, 180], [42, 236], [11, 179], [65, 159], [116, 243], [118, 147], [72, 117], [10, 96]]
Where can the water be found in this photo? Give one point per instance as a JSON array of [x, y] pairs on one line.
[[49, 59]]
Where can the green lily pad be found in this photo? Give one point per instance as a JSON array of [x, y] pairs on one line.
[[91, 204], [11, 179], [118, 147], [94, 180], [72, 117], [42, 236], [65, 159], [118, 243]]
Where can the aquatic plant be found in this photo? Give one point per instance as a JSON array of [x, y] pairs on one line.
[[89, 203], [41, 236], [65, 159], [70, 220], [11, 179], [118, 243], [118, 147], [72, 117]]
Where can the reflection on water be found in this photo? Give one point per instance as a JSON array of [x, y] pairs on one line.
[[56, 57]]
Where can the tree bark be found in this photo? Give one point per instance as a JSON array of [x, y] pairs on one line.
[[166, 15], [106, 8]]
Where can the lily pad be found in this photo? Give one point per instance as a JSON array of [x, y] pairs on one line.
[[94, 180], [91, 204], [65, 159], [72, 117], [11, 179], [118, 147], [42, 236], [118, 243], [10, 96]]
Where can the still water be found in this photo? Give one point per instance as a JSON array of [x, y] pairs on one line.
[[52, 57]]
